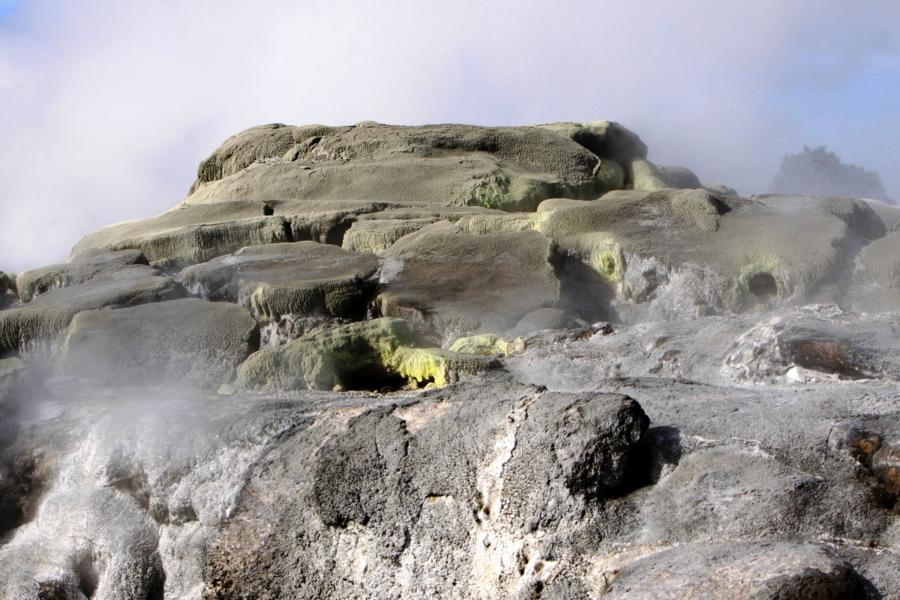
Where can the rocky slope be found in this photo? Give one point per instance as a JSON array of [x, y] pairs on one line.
[[453, 361]]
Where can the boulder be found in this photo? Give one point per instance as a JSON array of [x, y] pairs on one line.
[[577, 441], [453, 284], [739, 571], [512, 168], [462, 493], [727, 253], [606, 139], [300, 278], [187, 342], [78, 270], [49, 314]]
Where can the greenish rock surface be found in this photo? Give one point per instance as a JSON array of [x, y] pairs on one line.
[[376, 232], [42, 319], [187, 342], [299, 278], [512, 168], [78, 270], [187, 235], [377, 235], [881, 260]]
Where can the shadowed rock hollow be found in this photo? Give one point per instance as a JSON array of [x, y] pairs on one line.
[[453, 361]]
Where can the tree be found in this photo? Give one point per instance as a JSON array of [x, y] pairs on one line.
[[818, 172]]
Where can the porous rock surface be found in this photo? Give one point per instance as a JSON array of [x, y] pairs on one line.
[[455, 361]]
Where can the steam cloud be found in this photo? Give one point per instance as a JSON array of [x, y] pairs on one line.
[[105, 109]]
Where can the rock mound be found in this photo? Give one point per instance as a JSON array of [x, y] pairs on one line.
[[455, 361]]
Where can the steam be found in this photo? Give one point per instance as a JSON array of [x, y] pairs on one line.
[[106, 109]]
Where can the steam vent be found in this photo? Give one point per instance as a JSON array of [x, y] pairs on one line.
[[457, 362]]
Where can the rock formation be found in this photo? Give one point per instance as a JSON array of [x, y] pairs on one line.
[[453, 361]]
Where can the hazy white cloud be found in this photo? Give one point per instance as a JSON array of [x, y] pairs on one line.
[[106, 108]]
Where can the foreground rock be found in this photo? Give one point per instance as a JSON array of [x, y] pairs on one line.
[[489, 488], [443, 497], [740, 572], [189, 342]]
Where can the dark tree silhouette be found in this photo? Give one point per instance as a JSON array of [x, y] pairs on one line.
[[818, 172]]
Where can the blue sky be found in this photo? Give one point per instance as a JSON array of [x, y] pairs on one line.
[[6, 8], [106, 108]]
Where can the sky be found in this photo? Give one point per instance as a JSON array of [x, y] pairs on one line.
[[107, 108]]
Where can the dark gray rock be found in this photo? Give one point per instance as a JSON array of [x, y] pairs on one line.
[[454, 284], [430, 494]]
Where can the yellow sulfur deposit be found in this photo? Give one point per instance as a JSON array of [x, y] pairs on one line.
[[487, 344]]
